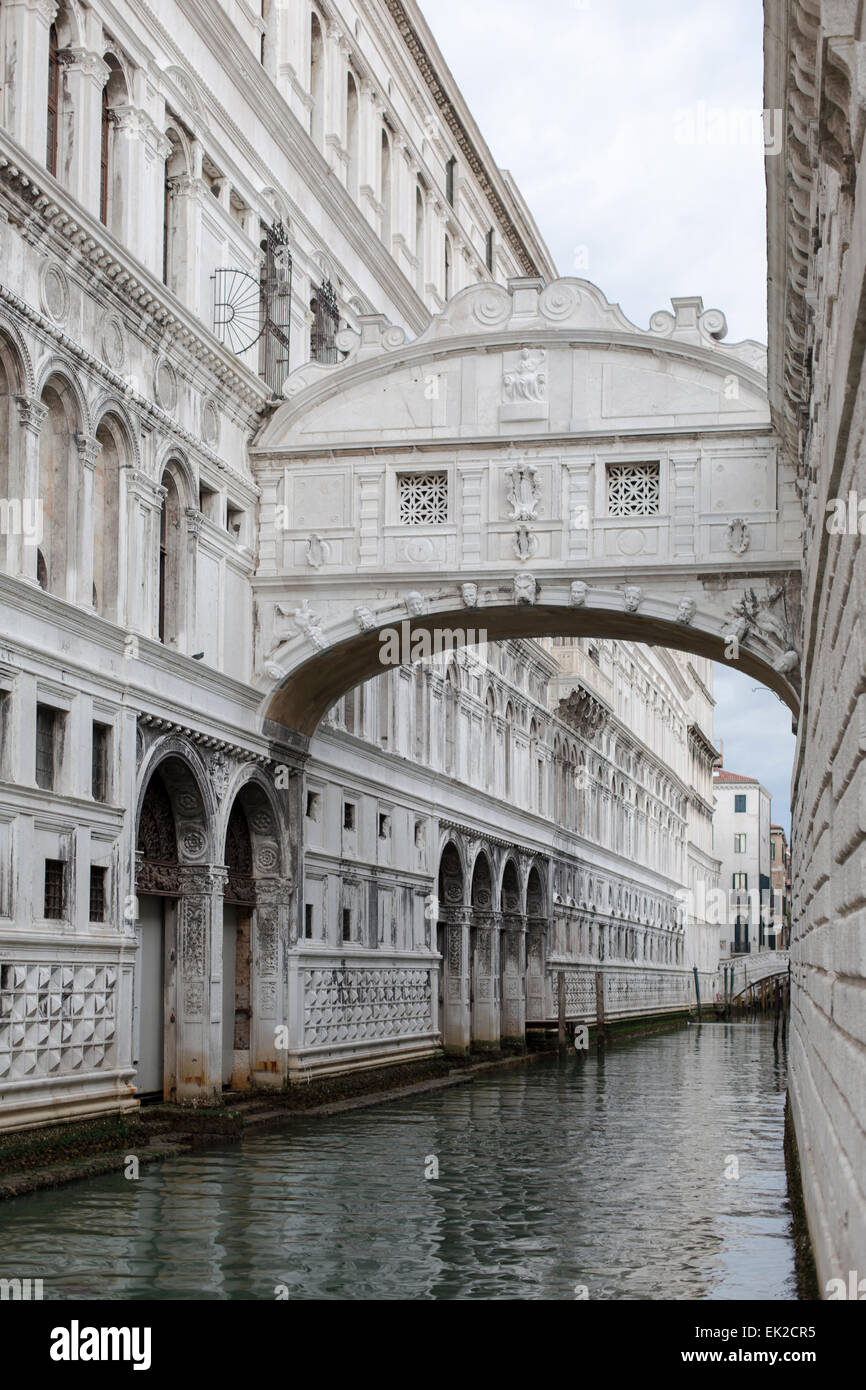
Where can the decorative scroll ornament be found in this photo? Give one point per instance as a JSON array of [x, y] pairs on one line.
[[318, 551], [525, 543], [523, 492], [738, 536]]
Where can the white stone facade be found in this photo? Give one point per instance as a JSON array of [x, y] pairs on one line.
[[181, 903]]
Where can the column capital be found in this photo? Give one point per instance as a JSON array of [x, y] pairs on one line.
[[202, 880], [45, 10], [31, 413], [89, 448], [89, 64], [194, 521]]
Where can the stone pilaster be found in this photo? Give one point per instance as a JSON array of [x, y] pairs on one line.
[[485, 978], [21, 549], [84, 74], [25, 72], [81, 571], [271, 918], [197, 1063], [512, 949], [455, 1022]]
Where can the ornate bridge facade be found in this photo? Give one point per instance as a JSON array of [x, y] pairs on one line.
[[533, 463]]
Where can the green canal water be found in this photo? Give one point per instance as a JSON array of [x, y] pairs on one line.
[[654, 1170]]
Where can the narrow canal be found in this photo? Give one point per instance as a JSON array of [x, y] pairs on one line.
[[654, 1170]]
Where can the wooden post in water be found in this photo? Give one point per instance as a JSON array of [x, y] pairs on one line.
[[697, 991], [599, 1006], [560, 1002]]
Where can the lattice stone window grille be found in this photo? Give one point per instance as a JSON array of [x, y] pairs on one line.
[[633, 489], [423, 498]]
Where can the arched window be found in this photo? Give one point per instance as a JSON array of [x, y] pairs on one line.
[[106, 515], [352, 173], [57, 458], [490, 739], [450, 723], [172, 228], [104, 150], [53, 130], [112, 190], [386, 189], [170, 598], [317, 81], [419, 238]]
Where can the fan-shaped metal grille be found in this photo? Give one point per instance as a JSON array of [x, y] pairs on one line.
[[238, 309]]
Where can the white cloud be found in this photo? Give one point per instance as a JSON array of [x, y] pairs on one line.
[[586, 107]]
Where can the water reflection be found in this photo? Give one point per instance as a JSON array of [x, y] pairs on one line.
[[607, 1171]]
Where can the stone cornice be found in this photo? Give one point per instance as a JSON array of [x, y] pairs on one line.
[[214, 28], [410, 28], [145, 407], [702, 742], [208, 742], [84, 240]]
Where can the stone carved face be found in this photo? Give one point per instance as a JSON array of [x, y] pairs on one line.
[[579, 591], [524, 588], [364, 618], [414, 604], [686, 610], [632, 598], [469, 595]]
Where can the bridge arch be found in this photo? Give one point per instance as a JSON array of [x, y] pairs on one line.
[[533, 464]]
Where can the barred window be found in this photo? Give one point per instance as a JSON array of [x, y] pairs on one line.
[[423, 498], [632, 489], [54, 888], [99, 764], [97, 894], [326, 321], [46, 736]]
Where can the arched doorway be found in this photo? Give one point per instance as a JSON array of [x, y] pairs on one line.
[[512, 957], [176, 891], [483, 957], [238, 903], [451, 934], [538, 1007], [158, 884]]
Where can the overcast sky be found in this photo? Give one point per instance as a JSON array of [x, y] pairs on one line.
[[633, 129]]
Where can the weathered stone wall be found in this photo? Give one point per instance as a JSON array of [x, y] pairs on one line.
[[817, 311]]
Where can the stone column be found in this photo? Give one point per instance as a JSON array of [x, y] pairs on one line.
[[144, 503], [84, 74], [138, 154], [369, 136], [189, 637], [485, 979], [80, 572], [24, 485], [537, 1004], [198, 983], [455, 1022], [271, 916], [335, 100], [25, 72], [512, 945]]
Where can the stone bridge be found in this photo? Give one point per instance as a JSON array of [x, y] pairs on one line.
[[752, 969], [533, 464]]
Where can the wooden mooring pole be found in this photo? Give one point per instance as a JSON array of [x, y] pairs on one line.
[[599, 1006], [560, 1004]]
